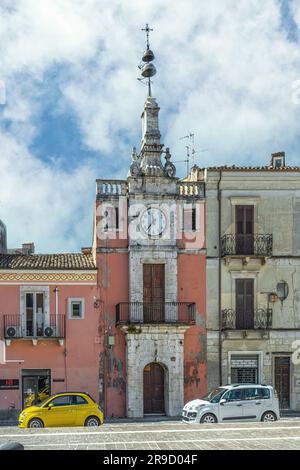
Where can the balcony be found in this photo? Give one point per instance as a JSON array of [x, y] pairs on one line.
[[191, 189], [260, 319], [174, 313], [111, 188], [50, 327], [260, 245]]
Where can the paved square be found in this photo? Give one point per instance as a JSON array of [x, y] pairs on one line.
[[165, 435]]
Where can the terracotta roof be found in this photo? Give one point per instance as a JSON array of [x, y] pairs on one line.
[[58, 261], [251, 168]]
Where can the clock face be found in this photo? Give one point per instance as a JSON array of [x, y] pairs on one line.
[[153, 221]]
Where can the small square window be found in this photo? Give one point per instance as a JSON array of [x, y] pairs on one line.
[[76, 308], [189, 219]]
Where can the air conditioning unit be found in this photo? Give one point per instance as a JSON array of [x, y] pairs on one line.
[[49, 331], [11, 331]]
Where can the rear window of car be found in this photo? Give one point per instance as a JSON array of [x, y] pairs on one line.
[[256, 393], [64, 400], [265, 393], [78, 400]]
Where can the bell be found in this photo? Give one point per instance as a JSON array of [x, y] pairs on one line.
[[148, 71], [148, 56]]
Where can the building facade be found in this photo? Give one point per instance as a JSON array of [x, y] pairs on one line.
[[253, 276], [150, 250], [49, 328]]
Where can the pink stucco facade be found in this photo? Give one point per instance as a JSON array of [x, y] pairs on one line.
[[70, 356]]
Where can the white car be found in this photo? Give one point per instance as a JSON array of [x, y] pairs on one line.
[[234, 403]]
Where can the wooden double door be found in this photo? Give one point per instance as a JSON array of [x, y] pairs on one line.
[[154, 389]]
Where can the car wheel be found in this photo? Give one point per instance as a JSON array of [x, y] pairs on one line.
[[92, 421], [269, 416], [208, 418], [35, 423]]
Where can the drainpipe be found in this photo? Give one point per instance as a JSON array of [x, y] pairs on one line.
[[220, 278], [56, 310]]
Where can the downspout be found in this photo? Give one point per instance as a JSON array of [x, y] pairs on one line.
[[220, 278], [56, 310]]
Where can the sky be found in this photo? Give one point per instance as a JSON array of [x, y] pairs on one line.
[[70, 102]]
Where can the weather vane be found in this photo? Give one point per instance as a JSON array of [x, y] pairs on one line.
[[147, 69]]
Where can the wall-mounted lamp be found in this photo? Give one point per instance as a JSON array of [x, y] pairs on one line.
[[273, 297], [97, 302]]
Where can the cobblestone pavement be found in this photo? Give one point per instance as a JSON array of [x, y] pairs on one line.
[[165, 435]]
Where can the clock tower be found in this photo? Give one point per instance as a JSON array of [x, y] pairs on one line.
[[149, 245]]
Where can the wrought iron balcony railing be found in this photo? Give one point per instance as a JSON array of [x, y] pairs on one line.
[[247, 245], [259, 319], [51, 326], [145, 313]]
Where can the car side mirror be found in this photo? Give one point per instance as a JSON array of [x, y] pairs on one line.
[[222, 401], [50, 406]]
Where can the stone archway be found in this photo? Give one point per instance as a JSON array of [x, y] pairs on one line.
[[154, 389]]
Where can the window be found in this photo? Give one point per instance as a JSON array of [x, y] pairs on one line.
[[64, 400], [234, 395], [76, 309], [244, 369], [256, 393], [111, 218], [78, 400], [189, 219]]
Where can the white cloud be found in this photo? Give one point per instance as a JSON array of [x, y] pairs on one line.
[[225, 71]]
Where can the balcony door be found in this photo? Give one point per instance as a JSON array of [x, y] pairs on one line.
[[244, 230], [34, 314], [244, 304], [154, 292]]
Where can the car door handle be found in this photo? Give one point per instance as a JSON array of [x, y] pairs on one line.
[[239, 404], [258, 403]]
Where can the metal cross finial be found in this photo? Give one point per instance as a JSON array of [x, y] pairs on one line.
[[147, 29]]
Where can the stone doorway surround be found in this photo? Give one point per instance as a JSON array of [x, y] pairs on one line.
[[155, 343]]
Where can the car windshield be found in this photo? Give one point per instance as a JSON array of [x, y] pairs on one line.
[[215, 395]]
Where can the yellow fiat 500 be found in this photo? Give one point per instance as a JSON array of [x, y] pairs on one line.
[[63, 409]]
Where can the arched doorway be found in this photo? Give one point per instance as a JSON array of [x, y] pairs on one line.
[[154, 389]]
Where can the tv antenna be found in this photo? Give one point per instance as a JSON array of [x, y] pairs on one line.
[[190, 151]]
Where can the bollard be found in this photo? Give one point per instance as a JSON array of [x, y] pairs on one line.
[[11, 446]]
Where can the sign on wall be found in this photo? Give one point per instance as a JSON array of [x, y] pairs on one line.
[[9, 384]]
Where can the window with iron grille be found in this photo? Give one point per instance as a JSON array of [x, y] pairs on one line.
[[244, 369]]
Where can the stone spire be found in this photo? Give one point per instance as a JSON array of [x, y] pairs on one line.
[[151, 148], [149, 163]]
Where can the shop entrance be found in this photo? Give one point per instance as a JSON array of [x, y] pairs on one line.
[[36, 386]]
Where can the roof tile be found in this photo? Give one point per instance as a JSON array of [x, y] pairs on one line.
[[64, 261]]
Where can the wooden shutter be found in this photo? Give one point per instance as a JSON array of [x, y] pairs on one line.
[[244, 229], [154, 292], [244, 304]]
